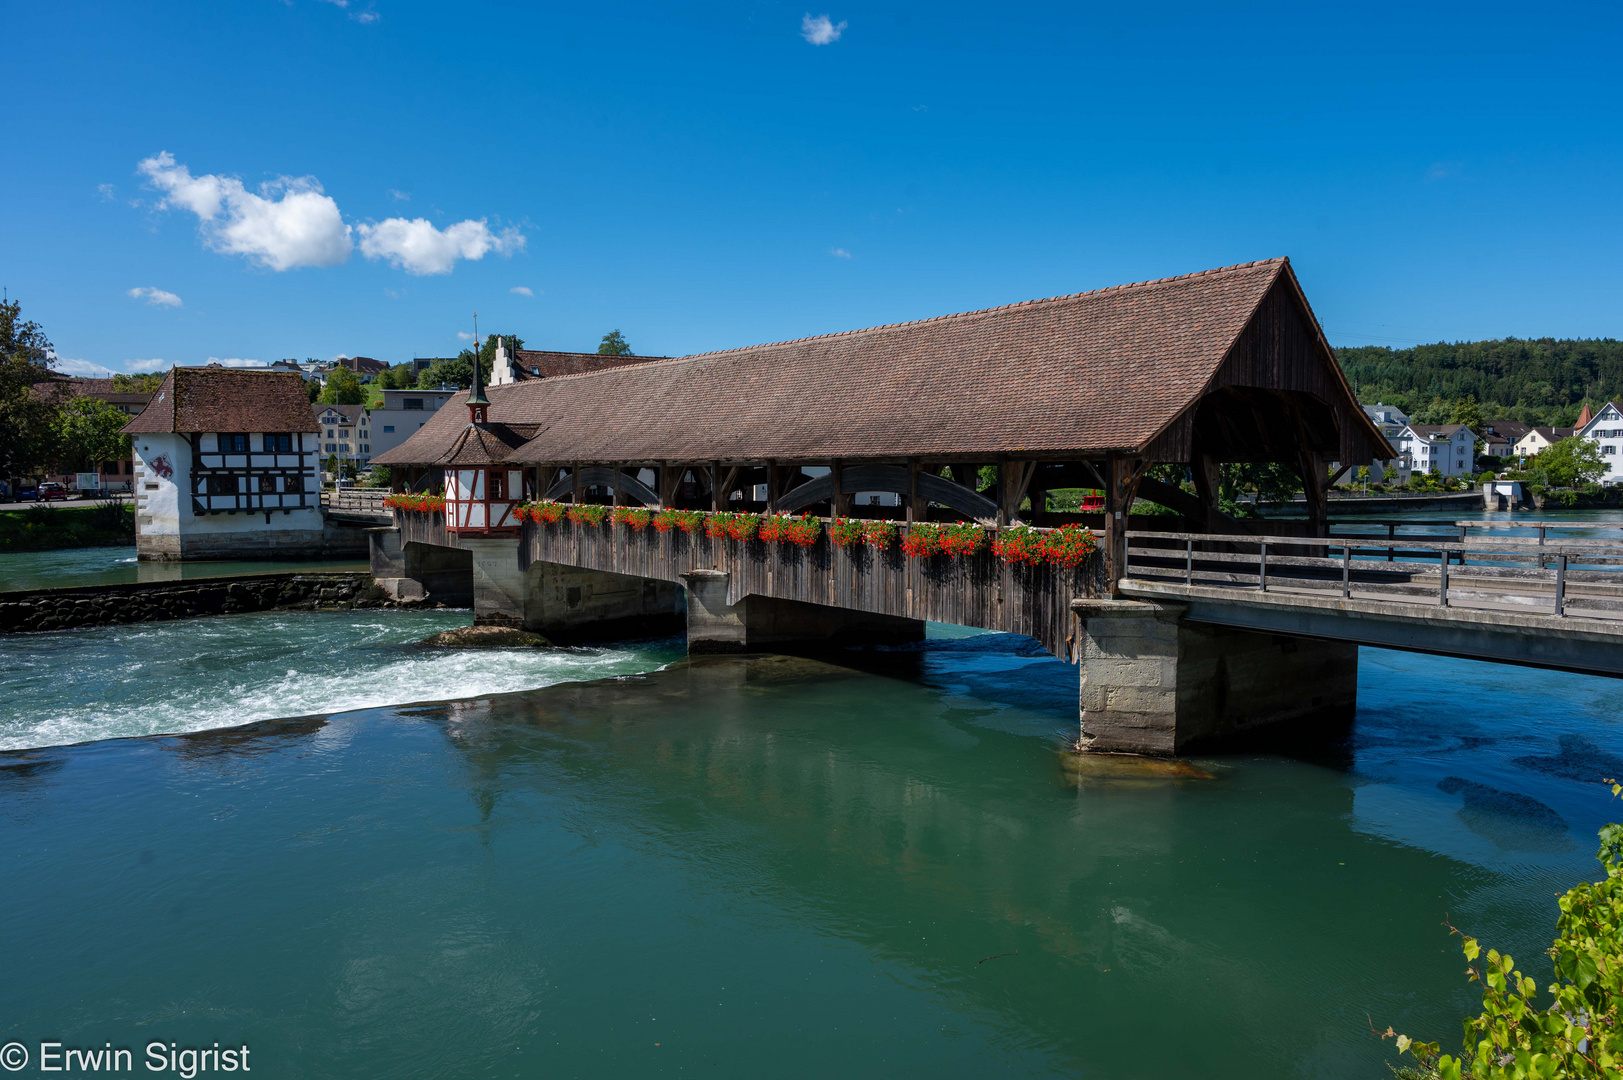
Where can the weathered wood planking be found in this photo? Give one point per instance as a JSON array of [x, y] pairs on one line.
[[978, 590]]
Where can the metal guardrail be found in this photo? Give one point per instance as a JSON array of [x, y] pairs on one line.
[[1560, 576]]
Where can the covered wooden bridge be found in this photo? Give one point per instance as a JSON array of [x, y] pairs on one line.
[[977, 417]]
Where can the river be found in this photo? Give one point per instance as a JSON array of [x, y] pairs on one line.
[[615, 861]]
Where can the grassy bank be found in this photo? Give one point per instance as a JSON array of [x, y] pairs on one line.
[[45, 528]]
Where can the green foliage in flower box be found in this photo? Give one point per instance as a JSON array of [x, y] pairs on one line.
[[588, 514]]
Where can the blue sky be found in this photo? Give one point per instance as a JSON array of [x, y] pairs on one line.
[[265, 179]]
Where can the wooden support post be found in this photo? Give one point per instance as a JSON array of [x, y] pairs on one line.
[[772, 483], [1262, 568], [574, 477], [1346, 571], [1442, 582], [670, 477], [1122, 475], [838, 503], [913, 508], [1208, 478], [727, 481], [1014, 477], [715, 486], [619, 483], [1189, 560], [1561, 585]]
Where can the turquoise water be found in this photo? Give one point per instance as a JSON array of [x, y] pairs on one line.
[[27, 570], [758, 866]]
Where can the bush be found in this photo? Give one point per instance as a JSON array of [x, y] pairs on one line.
[[1577, 1034]]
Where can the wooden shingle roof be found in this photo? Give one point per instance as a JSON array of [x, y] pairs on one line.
[[225, 399], [1080, 374]]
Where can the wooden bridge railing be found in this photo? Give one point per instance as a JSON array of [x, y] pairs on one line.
[[1571, 576]]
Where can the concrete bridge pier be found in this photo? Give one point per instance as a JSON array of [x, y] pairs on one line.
[[1154, 683], [568, 604], [764, 623]]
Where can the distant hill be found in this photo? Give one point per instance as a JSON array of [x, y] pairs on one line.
[[1537, 382]]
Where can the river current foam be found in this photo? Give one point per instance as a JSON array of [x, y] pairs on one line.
[[169, 678]]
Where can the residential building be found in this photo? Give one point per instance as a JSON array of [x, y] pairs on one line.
[[226, 466], [1539, 438], [346, 432], [1499, 437], [1391, 421], [1439, 449], [403, 412], [1605, 427], [364, 366], [521, 365]]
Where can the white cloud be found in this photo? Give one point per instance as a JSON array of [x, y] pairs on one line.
[[232, 361], [399, 196], [464, 335], [365, 18], [84, 369], [417, 247], [289, 224], [106, 192], [522, 290], [819, 30], [155, 297], [839, 253]]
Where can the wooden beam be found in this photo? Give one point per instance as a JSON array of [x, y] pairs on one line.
[[914, 509], [773, 482], [574, 487]]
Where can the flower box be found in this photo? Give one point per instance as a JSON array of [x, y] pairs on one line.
[[801, 531], [845, 532], [1020, 546], [545, 512], [418, 504], [633, 518]]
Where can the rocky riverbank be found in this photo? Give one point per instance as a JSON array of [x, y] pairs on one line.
[[106, 605]]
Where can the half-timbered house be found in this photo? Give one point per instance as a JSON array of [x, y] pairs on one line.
[[227, 466]]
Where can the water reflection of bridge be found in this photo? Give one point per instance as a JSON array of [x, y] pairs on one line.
[[979, 417]]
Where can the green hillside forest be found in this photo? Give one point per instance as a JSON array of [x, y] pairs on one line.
[[1543, 381]]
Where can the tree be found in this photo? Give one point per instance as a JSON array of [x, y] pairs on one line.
[[1572, 461], [457, 372], [343, 388], [143, 383], [312, 390], [87, 430], [1468, 412], [395, 378], [614, 344], [27, 415]]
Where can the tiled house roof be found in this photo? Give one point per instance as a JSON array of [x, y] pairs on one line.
[[543, 364], [226, 399], [1082, 374]]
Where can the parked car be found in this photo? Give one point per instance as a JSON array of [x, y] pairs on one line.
[[50, 489]]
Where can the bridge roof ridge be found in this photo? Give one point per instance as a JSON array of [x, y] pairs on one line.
[[997, 309]]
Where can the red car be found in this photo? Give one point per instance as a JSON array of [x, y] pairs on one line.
[[49, 490]]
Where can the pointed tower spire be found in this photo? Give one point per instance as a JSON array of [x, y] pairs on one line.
[[477, 405], [1586, 416]]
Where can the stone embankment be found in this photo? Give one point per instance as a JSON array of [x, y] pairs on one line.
[[106, 605]]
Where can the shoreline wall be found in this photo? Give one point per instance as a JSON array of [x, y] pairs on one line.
[[111, 605]]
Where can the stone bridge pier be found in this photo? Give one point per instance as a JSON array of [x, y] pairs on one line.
[[764, 622], [1155, 683]]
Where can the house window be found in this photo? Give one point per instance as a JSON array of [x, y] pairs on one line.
[[497, 483], [222, 485], [233, 444], [332, 448], [1608, 449], [388, 429], [279, 444], [267, 485], [412, 403]]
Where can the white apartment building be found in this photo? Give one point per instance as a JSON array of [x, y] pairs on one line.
[[346, 432], [403, 412], [1439, 449], [1606, 429], [1391, 421]]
